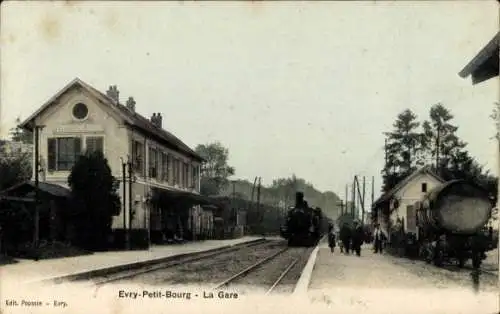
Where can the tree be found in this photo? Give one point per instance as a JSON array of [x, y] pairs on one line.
[[21, 135], [404, 149], [14, 168], [95, 199], [441, 142], [215, 171], [437, 144]]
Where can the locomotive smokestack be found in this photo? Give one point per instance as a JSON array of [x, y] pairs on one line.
[[299, 199]]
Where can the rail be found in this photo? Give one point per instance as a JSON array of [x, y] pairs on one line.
[[169, 264], [283, 274], [249, 269]]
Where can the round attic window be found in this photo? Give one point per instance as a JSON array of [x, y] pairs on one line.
[[80, 111]]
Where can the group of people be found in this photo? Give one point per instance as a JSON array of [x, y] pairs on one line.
[[351, 239]]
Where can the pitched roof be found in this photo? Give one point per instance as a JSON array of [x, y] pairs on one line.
[[52, 189], [485, 64], [133, 119], [388, 195]]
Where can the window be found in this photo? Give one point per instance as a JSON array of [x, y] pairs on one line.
[[424, 187], [80, 111], [164, 167], [179, 172], [175, 174], [63, 152], [137, 155], [193, 176], [94, 144], [186, 175], [153, 163]]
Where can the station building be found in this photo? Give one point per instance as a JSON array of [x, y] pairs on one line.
[[164, 202]]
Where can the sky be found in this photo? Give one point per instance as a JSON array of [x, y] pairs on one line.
[[287, 87]]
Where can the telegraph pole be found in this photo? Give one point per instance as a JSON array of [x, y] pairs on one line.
[[373, 195], [124, 202], [346, 198], [258, 204], [361, 196], [129, 164], [373, 189], [36, 234], [363, 203], [353, 205]]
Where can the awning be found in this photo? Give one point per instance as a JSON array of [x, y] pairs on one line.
[[17, 199], [485, 64], [187, 198], [27, 187]]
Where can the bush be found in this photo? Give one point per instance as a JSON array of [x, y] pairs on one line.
[[94, 200], [48, 250]]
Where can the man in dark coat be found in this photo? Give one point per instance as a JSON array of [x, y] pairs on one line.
[[331, 237], [345, 237], [357, 238], [378, 238]]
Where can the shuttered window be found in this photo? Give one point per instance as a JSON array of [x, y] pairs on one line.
[[94, 144], [52, 154], [193, 177], [137, 153], [63, 152], [178, 171], [153, 163], [164, 167], [186, 175]]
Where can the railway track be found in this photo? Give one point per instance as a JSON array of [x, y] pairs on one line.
[[208, 258], [271, 271]]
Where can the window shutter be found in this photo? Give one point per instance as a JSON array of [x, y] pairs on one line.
[[100, 144], [51, 154], [78, 147]]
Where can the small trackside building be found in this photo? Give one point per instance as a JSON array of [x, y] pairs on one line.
[[395, 207]]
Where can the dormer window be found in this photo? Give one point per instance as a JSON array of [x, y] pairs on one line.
[[424, 188], [80, 111]]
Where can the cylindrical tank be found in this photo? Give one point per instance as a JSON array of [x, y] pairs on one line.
[[345, 218], [455, 206]]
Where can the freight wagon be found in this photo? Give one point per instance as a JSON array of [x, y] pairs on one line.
[[451, 220]]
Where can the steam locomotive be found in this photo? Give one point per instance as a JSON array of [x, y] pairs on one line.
[[304, 226], [451, 221]]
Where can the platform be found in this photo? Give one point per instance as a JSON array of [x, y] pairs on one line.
[[26, 271], [381, 282]]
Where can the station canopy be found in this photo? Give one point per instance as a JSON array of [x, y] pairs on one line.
[[181, 197], [485, 64]]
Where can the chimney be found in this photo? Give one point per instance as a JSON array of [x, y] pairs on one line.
[[159, 120], [299, 199], [154, 119], [113, 93], [131, 104]]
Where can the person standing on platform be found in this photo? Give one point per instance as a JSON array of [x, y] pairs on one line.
[[345, 237], [331, 238], [357, 238], [378, 236]]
